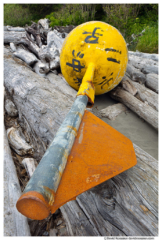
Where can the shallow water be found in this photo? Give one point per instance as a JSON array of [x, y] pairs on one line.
[[131, 125]]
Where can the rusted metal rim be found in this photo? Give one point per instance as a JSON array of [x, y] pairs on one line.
[[33, 205]]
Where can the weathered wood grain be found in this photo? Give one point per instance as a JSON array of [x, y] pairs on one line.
[[152, 82], [128, 86], [146, 95], [30, 165], [145, 65], [15, 224], [13, 37], [135, 74]]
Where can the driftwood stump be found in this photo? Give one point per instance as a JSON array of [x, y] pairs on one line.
[[126, 205]]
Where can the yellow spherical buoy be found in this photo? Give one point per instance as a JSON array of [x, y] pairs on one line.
[[96, 43]]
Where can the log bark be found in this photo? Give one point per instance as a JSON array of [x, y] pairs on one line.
[[126, 205], [15, 224], [146, 112]]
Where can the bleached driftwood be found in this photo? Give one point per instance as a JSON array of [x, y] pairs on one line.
[[140, 62], [111, 112], [13, 37], [15, 29], [15, 224], [26, 56], [126, 205], [42, 46], [30, 165], [32, 46], [128, 86], [10, 108], [146, 112], [147, 95], [152, 82], [53, 39], [17, 142], [150, 69], [41, 68], [135, 74], [152, 56], [36, 35], [44, 23], [145, 65], [51, 54]]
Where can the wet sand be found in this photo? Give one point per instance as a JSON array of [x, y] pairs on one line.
[[131, 125]]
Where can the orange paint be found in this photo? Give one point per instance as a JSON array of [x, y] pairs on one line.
[[33, 205]]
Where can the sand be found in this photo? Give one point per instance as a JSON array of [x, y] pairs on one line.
[[131, 125]]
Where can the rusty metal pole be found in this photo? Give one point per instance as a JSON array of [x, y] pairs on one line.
[[39, 194]]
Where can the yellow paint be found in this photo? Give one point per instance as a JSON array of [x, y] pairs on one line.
[[98, 43], [87, 87]]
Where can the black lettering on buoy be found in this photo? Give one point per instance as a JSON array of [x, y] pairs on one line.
[[75, 65], [106, 81], [78, 81], [92, 38], [113, 60], [112, 50]]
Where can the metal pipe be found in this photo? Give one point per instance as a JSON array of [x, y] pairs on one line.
[[43, 185]]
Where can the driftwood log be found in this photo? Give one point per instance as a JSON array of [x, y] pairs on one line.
[[111, 112], [126, 205], [15, 224], [146, 95], [141, 108], [154, 57], [144, 64], [152, 82]]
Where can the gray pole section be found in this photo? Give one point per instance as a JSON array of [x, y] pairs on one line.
[[47, 175]]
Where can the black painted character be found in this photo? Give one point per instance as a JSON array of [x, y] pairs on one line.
[[92, 38], [78, 81], [106, 81], [113, 59], [76, 63]]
